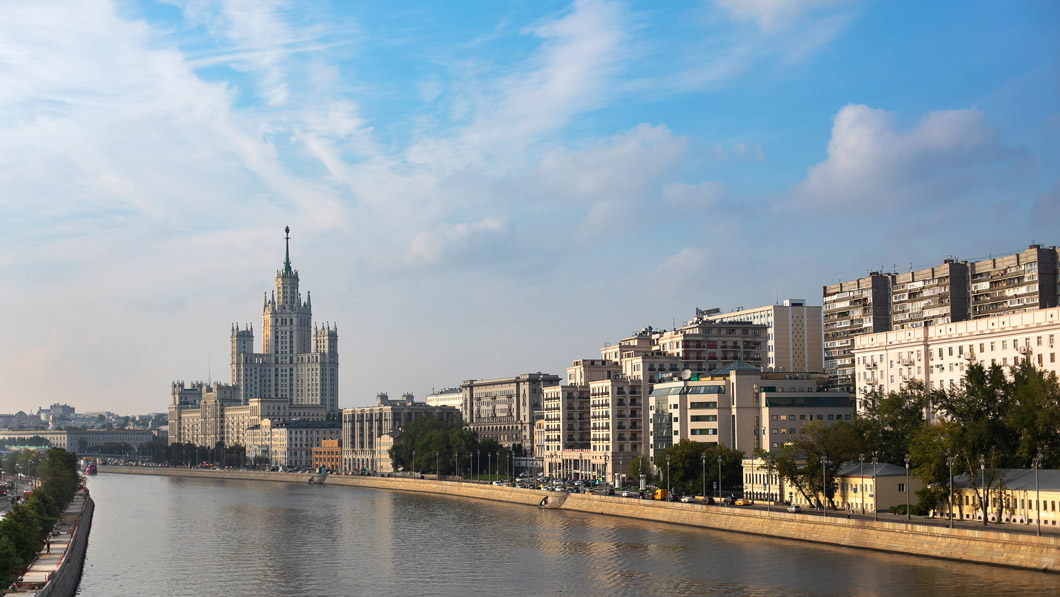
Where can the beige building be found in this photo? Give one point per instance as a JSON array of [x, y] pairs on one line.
[[860, 487], [453, 397], [505, 409], [743, 408], [939, 355], [289, 443], [1021, 499], [793, 335], [368, 432], [295, 376]]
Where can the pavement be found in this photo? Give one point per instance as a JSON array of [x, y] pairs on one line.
[[46, 563]]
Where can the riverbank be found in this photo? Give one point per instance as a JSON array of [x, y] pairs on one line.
[[56, 571], [989, 546]]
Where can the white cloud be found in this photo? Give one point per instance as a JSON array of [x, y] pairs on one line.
[[871, 163], [773, 15], [445, 243]]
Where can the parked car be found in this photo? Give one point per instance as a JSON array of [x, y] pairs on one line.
[[794, 508], [709, 501]]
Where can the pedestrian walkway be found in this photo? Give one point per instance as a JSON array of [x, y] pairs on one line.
[[50, 559]]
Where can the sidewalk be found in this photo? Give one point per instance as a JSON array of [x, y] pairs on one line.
[[45, 563]]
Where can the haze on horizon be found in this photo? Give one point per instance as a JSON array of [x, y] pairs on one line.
[[488, 188]]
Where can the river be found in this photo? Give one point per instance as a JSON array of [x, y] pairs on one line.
[[188, 536]]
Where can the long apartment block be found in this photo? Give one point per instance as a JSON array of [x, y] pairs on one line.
[[950, 292]]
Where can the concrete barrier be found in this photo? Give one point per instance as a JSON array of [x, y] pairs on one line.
[[64, 581], [992, 546]]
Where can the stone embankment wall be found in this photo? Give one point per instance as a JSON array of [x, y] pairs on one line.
[[63, 583], [969, 545]]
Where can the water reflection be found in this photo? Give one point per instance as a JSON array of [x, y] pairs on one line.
[[183, 536]]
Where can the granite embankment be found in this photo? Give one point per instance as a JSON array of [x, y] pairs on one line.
[[988, 546]]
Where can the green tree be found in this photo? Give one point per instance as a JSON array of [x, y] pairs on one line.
[[638, 466], [811, 462], [688, 470], [889, 421]]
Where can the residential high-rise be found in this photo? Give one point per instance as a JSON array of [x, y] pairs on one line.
[[850, 309], [1022, 281], [930, 296]]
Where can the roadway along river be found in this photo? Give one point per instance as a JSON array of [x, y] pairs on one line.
[[184, 536]]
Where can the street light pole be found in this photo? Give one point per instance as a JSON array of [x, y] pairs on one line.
[[949, 463], [875, 492], [703, 457], [861, 481], [414, 463], [908, 516], [1037, 494], [824, 488], [719, 476], [986, 495], [668, 488], [437, 467]]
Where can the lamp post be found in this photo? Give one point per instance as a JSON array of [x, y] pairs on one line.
[[489, 466], [703, 457], [414, 463], [824, 487], [456, 462], [861, 481], [908, 516], [1037, 493], [875, 495], [719, 476], [668, 488], [986, 495], [478, 461], [437, 467], [949, 463]]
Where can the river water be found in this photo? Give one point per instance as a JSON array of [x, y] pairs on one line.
[[155, 535]]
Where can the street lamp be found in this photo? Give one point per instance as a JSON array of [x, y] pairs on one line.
[[949, 463], [986, 495], [908, 516], [1037, 493], [703, 457], [668, 488], [437, 467], [824, 487], [861, 481], [414, 463], [719, 476], [875, 492], [489, 466]]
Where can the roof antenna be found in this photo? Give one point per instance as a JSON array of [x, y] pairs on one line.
[[209, 367]]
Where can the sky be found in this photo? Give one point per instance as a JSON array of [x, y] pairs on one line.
[[481, 189]]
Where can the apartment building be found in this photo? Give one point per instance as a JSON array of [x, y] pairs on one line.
[[793, 334], [505, 408], [742, 407], [289, 443], [850, 309], [368, 432], [1022, 281], [931, 296], [939, 355]]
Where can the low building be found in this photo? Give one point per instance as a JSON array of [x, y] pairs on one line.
[[289, 443], [858, 487], [79, 441], [364, 447], [1016, 496], [328, 455]]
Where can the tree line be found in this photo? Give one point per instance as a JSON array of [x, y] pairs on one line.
[[23, 531], [427, 444]]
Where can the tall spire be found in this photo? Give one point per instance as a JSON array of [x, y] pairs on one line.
[[287, 251]]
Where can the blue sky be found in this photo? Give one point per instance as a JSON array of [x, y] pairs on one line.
[[479, 189]]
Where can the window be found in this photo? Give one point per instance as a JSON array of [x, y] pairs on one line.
[[901, 488]]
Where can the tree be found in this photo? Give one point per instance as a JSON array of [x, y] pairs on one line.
[[641, 465], [811, 462], [889, 421], [687, 467]]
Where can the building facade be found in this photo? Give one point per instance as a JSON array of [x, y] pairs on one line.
[[328, 456], [793, 336], [939, 355], [930, 296], [505, 409], [294, 376], [76, 441], [850, 309], [1024, 281], [743, 408], [289, 443], [368, 432]]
